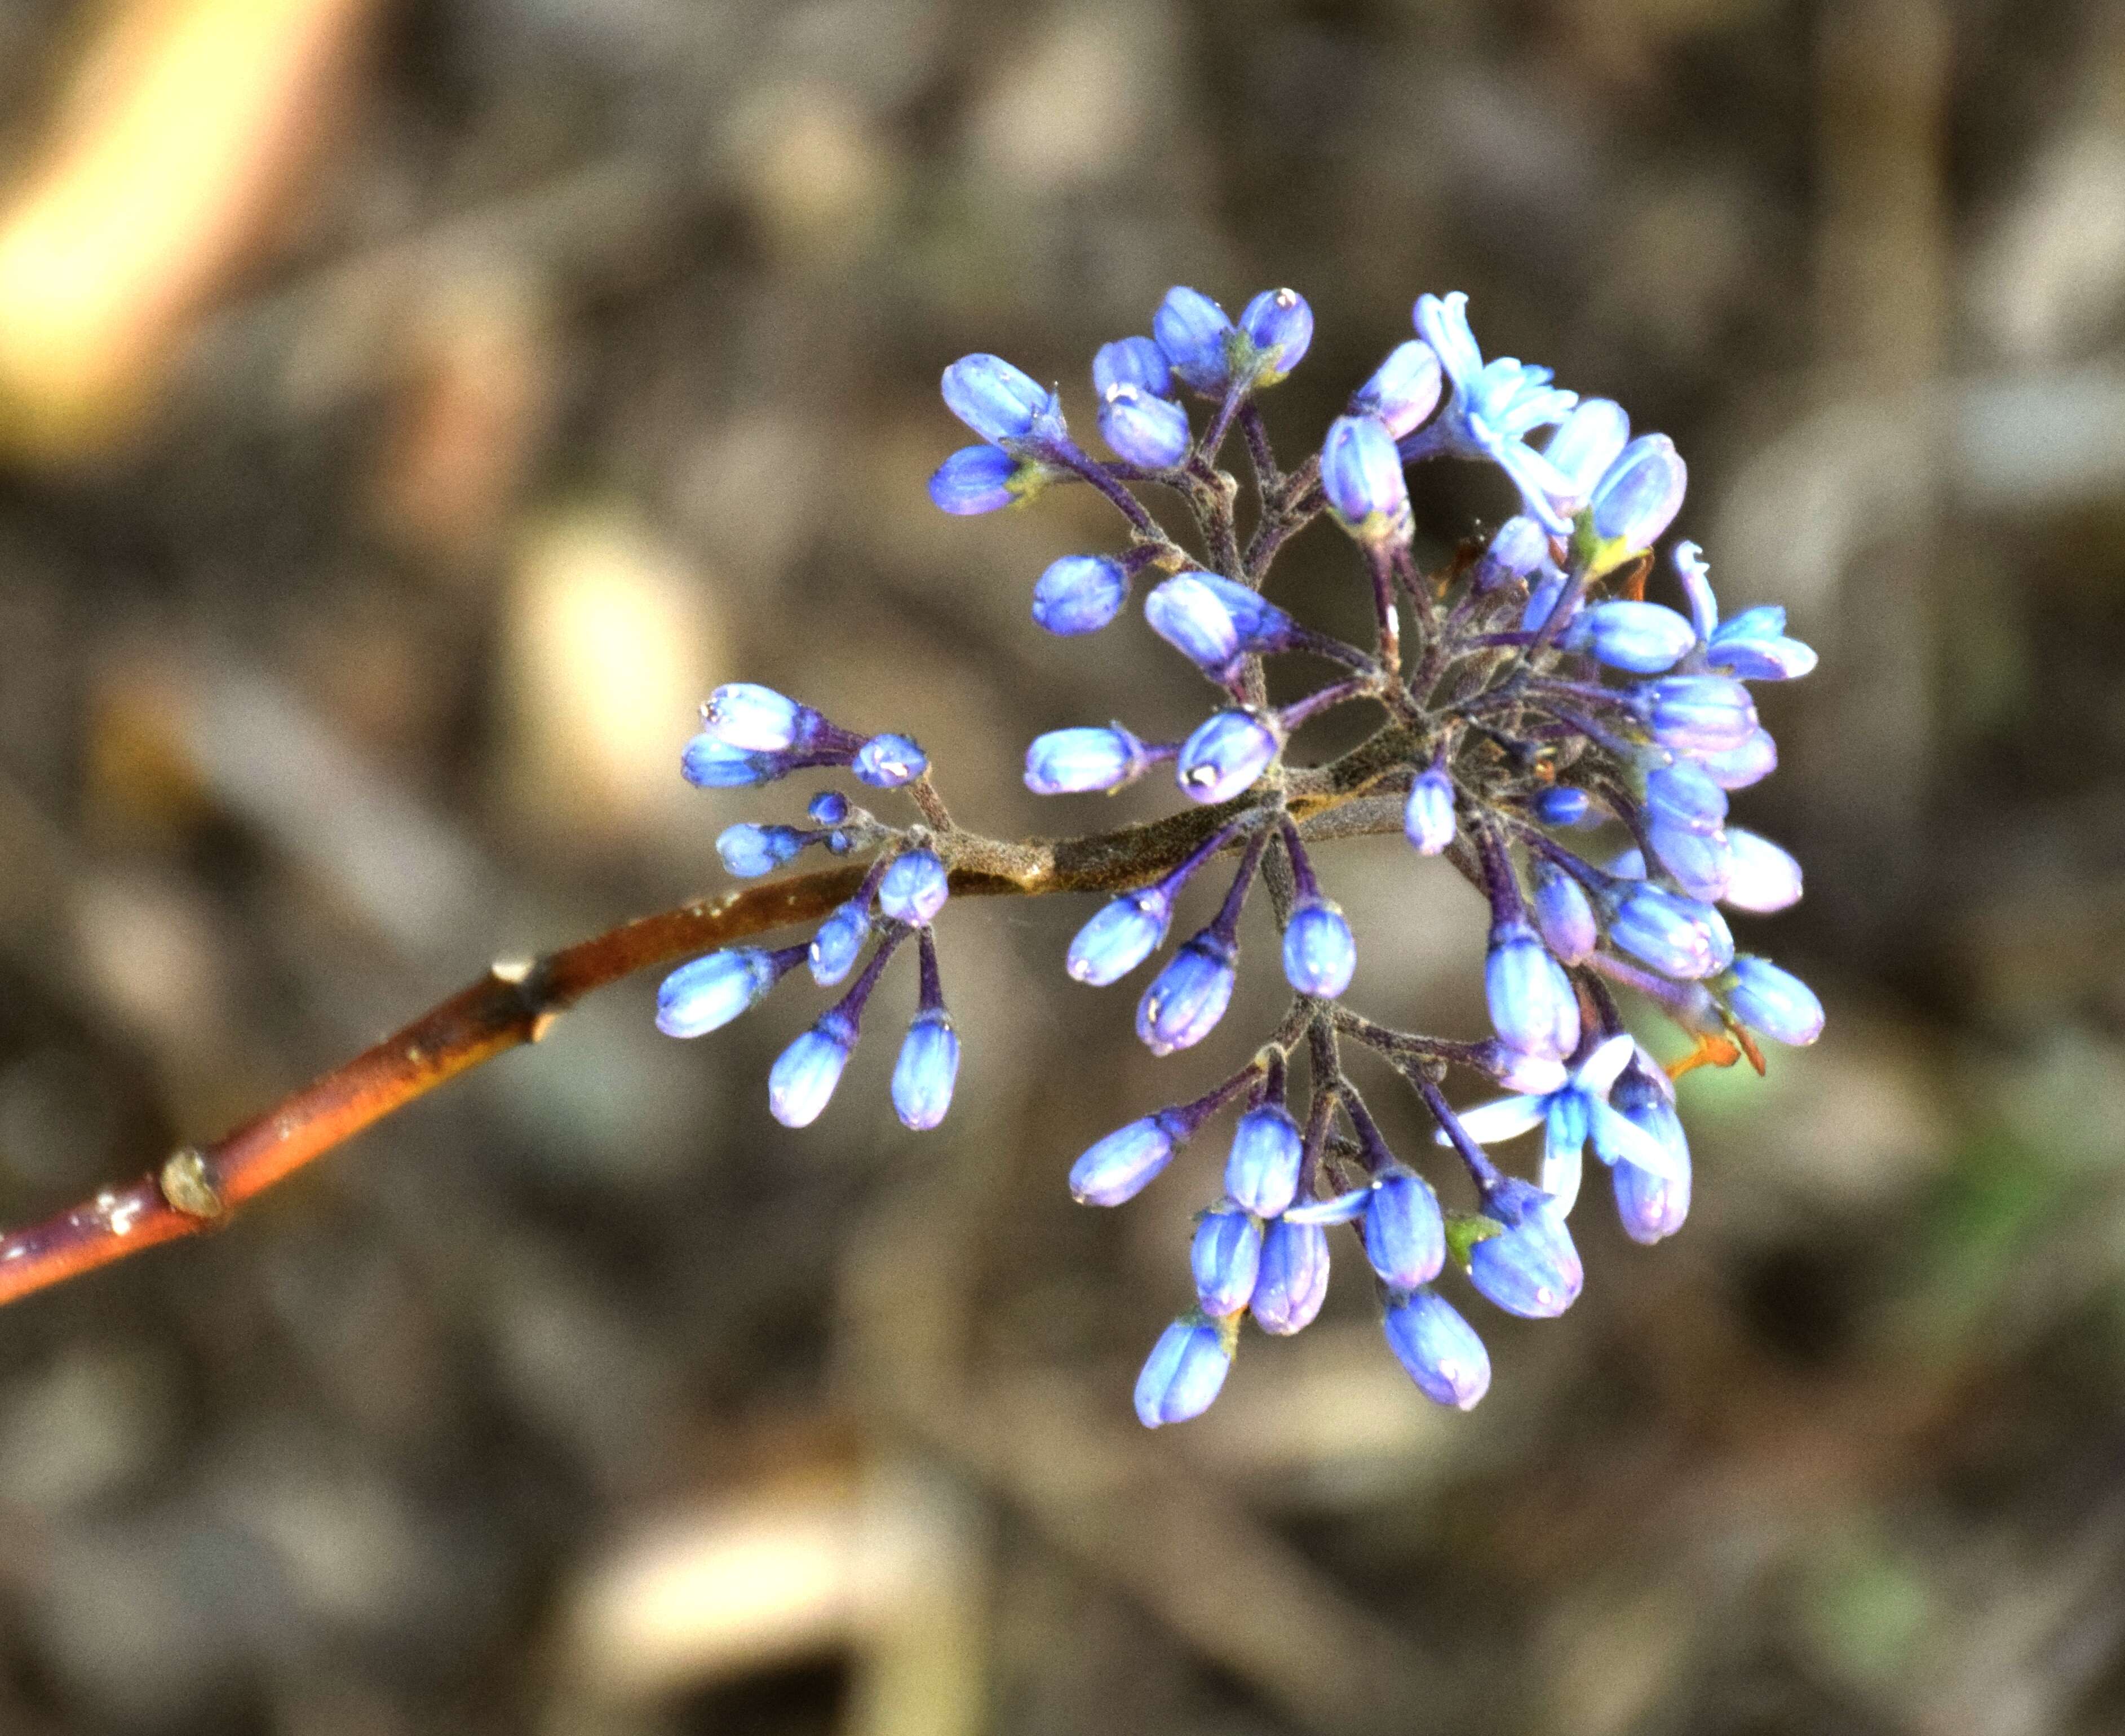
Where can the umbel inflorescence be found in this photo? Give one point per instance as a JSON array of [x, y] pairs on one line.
[[1530, 703]]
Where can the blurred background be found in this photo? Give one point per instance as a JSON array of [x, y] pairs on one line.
[[410, 408]]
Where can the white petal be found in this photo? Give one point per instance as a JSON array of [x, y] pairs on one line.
[[1507, 1119], [1619, 1141], [1339, 1209], [1599, 1073], [1559, 1177]]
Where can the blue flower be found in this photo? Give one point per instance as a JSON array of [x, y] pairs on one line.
[[758, 719], [1533, 1007], [838, 943], [1427, 817], [1696, 714], [1402, 391], [1639, 496], [1404, 1232], [749, 851], [708, 762], [1214, 622], [1277, 326], [1753, 646], [1775, 1002], [804, 1074], [914, 888], [999, 402], [1320, 955], [1438, 1349], [928, 1066], [1562, 915], [1531, 1266], [1569, 1115], [1292, 1280], [1079, 594], [1066, 761], [1225, 1257], [1131, 362], [1186, 1000], [1763, 877], [1587, 443], [888, 762], [1225, 756], [709, 993], [1123, 1164], [1646, 638], [1193, 332], [1185, 1372], [1493, 408], [1141, 429], [1361, 476], [978, 479], [1127, 930], [1652, 1201], [1261, 1172], [1678, 936]]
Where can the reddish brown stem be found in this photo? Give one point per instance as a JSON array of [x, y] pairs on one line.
[[198, 1187]]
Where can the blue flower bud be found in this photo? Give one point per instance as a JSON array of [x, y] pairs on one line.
[[1530, 1268], [1141, 429], [804, 1074], [756, 718], [1678, 937], [829, 807], [708, 763], [1182, 1376], [1737, 768], [1698, 714], [1533, 1007], [978, 479], [928, 1065], [1225, 756], [1700, 863], [1543, 596], [1192, 331], [1123, 1164], [1361, 475], [1642, 638], [1763, 877], [1067, 761], [1319, 954], [1404, 1232], [1651, 1207], [1403, 390], [1562, 915], [1261, 1174], [1775, 1002], [1427, 817], [914, 888], [1225, 1257], [995, 399], [838, 943], [1587, 443], [1683, 795], [1079, 594], [709, 993], [1439, 1349], [1292, 1282], [1213, 622], [888, 761], [749, 851], [1279, 326], [1127, 930], [1639, 496], [1186, 1000], [1516, 554], [1131, 362], [1565, 805]]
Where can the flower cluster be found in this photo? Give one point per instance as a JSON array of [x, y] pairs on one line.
[[1534, 704]]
